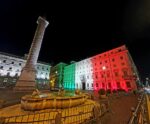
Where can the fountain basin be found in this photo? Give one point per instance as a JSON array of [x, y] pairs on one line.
[[31, 103]]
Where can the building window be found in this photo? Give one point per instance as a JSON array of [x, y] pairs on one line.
[[108, 74], [96, 84], [87, 77], [20, 64], [114, 65], [1, 67], [113, 59], [116, 74], [12, 62], [103, 85], [119, 50], [118, 85], [87, 84], [16, 75], [121, 57], [8, 74], [10, 68], [4, 61], [109, 85], [100, 63], [106, 61], [92, 84], [5, 80], [125, 73], [128, 84], [123, 64], [96, 76]]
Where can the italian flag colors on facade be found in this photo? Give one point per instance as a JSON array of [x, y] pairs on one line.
[[112, 70]]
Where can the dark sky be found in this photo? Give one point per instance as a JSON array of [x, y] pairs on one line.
[[78, 30]]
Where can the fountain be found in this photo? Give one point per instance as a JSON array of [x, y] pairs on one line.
[[60, 100]]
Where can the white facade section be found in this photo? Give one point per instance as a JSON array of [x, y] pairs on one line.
[[83, 74], [11, 65]]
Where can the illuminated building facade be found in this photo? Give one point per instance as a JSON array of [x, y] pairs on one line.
[[11, 66], [69, 77], [112, 70], [56, 75]]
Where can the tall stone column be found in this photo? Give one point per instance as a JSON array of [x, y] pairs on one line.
[[26, 81]]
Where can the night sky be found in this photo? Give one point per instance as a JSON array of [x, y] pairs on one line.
[[78, 30]]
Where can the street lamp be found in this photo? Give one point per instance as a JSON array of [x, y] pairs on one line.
[[104, 68]]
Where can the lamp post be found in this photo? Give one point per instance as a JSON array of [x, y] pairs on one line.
[[104, 68]]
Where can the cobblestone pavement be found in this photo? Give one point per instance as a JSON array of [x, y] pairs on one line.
[[121, 110]]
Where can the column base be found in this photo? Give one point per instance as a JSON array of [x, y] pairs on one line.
[[25, 86]]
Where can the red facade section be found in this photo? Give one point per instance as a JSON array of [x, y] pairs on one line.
[[114, 70]]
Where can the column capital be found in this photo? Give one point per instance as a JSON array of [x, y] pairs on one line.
[[43, 21]]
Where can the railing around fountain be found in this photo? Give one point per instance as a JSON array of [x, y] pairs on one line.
[[139, 114], [75, 115]]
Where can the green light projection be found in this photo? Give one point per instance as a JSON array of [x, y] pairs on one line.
[[69, 77]]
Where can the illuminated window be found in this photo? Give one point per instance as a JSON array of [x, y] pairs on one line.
[[121, 57], [128, 84], [118, 85], [8, 74], [116, 74], [103, 85], [96, 76], [114, 65], [87, 77], [109, 85], [6, 79], [4, 61], [122, 63], [125, 73], [119, 50], [108, 74], [16, 75]]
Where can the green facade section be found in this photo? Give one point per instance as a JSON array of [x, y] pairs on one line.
[[56, 75], [69, 77]]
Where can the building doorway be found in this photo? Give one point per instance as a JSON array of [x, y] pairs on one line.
[[83, 85]]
